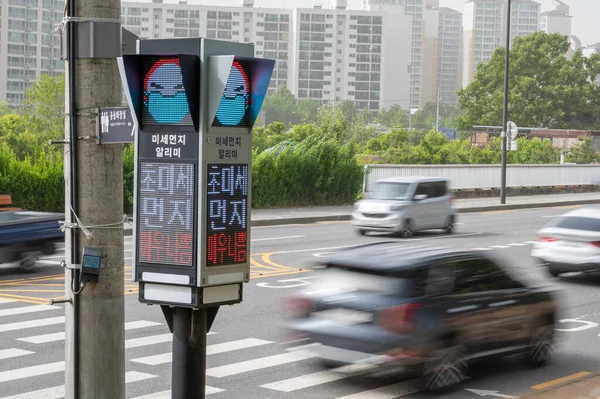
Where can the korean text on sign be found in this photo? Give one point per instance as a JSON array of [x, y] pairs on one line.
[[227, 214], [166, 213]]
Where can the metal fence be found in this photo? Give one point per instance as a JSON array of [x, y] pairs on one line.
[[464, 177]]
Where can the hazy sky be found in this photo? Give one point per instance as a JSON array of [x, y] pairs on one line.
[[585, 12]]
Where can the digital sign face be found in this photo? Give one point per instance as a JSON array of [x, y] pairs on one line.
[[166, 213], [165, 101], [227, 214], [234, 108]]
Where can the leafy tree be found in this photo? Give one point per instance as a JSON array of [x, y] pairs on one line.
[[45, 106], [348, 109], [546, 89], [281, 106], [308, 110], [583, 153], [394, 117]]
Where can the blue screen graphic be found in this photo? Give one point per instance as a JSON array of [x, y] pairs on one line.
[[234, 109], [165, 101]]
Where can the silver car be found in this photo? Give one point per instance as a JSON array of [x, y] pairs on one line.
[[405, 205], [570, 243]]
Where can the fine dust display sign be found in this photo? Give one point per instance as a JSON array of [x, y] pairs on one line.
[[166, 229], [227, 214]]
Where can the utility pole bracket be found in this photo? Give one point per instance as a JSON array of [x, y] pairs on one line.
[[94, 38]]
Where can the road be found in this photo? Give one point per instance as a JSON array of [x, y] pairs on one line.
[[245, 357]]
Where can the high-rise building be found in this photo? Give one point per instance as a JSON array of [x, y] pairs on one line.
[[441, 54], [556, 20], [29, 45], [373, 57], [484, 29]]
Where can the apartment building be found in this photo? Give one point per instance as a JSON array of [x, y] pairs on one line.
[[29, 45], [442, 54], [556, 20], [484, 24], [373, 56]]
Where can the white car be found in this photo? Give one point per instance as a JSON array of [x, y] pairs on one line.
[[405, 205], [570, 243]]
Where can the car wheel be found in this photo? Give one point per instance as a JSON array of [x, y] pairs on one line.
[[407, 230], [553, 271], [445, 369], [449, 225], [542, 346], [28, 259], [361, 232]]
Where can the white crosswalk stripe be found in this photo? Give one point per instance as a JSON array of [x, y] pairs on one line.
[[257, 364], [210, 350], [145, 342], [59, 392], [60, 336]]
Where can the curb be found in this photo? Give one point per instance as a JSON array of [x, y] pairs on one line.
[[346, 217]]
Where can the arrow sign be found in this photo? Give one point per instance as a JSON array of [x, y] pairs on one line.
[[495, 394]]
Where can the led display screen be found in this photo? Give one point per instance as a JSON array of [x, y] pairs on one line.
[[166, 213], [234, 108], [226, 214], [165, 101]]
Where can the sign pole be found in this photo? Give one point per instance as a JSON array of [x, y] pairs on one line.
[[505, 110], [188, 374]]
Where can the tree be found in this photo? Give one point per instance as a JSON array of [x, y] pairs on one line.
[[308, 110], [281, 106], [395, 117], [582, 153], [546, 89], [45, 106]]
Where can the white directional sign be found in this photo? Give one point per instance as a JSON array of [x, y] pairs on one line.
[[513, 131]]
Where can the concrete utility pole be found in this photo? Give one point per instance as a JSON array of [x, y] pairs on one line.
[[94, 326]]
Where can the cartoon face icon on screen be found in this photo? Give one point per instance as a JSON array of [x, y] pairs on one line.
[[236, 98], [164, 94]]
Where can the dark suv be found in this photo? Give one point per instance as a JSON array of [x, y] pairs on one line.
[[417, 308]]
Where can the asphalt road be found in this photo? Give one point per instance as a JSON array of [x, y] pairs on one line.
[[245, 357]]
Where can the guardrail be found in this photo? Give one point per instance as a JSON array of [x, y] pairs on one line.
[[466, 177]]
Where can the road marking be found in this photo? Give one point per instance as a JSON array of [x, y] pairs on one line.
[[561, 380], [531, 242], [60, 336], [59, 392], [517, 244], [498, 246], [34, 371], [27, 309], [305, 381], [586, 325], [22, 325], [388, 392], [276, 238], [2, 300], [481, 249], [13, 352], [167, 394], [257, 364], [409, 240], [164, 358]]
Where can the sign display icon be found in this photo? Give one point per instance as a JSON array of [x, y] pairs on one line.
[[235, 102]]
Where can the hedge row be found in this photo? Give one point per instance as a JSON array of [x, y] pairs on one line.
[[319, 174]]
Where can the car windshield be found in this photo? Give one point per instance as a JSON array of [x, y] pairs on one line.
[[577, 223], [390, 191]]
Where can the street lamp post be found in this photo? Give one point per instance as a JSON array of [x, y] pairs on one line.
[[505, 110]]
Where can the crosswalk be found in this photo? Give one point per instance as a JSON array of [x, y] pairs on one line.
[[32, 363]]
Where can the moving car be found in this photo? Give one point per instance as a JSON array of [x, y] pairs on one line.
[[429, 310], [405, 205], [570, 243]]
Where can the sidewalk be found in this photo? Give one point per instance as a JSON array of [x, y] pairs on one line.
[[586, 388], [272, 217]]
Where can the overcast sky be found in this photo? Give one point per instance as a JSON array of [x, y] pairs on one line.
[[585, 12]]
